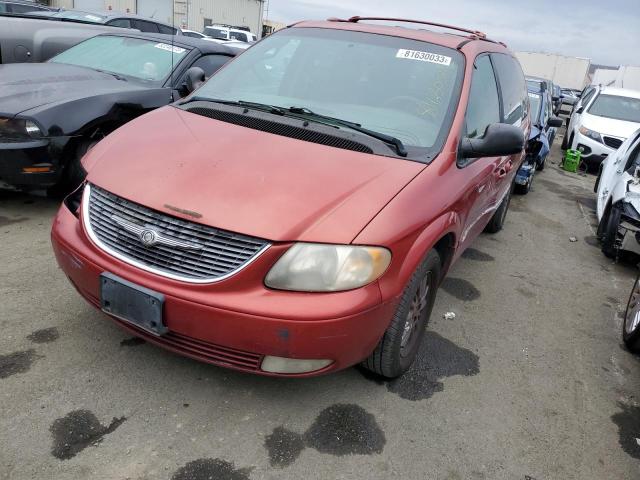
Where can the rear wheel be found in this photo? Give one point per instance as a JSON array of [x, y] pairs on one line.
[[400, 343], [631, 323], [497, 221]]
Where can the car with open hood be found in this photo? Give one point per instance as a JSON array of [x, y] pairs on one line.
[[600, 122], [52, 113], [296, 214], [618, 201], [544, 126]]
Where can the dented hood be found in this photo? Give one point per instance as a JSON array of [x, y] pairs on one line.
[[245, 180]]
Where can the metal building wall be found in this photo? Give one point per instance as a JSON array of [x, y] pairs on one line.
[[119, 5], [232, 12]]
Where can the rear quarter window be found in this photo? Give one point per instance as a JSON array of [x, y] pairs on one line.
[[513, 88]]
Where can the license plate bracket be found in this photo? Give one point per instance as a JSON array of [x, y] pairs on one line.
[[132, 303]]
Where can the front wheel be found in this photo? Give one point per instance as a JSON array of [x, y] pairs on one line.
[[631, 323], [399, 345], [608, 231]]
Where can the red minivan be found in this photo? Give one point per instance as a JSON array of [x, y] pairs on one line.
[[295, 215]]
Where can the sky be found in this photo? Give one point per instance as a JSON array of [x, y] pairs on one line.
[[606, 31]]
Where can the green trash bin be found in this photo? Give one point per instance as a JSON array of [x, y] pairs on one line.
[[571, 160]]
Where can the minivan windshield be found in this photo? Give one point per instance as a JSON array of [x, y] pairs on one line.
[[616, 107], [400, 87], [135, 58]]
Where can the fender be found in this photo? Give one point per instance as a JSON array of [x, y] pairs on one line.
[[415, 247]]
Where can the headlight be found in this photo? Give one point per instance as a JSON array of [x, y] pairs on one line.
[[313, 267], [591, 134], [18, 129]]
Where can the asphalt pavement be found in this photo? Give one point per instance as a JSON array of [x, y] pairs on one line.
[[528, 381]]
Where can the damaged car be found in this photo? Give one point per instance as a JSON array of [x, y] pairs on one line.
[[52, 113], [618, 202], [543, 131]]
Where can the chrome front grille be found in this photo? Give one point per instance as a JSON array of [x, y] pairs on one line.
[[163, 244]]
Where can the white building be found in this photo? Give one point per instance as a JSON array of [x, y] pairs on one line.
[[624, 77], [192, 14], [568, 72]]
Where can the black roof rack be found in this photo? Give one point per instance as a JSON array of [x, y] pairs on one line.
[[475, 33]]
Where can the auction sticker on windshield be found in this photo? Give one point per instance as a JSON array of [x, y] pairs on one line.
[[169, 48], [424, 56]]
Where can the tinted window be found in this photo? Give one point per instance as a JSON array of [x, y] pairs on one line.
[[217, 33], [619, 108], [483, 108], [587, 95], [167, 30], [211, 63], [192, 34], [238, 36], [512, 87], [145, 26], [15, 8], [120, 22]]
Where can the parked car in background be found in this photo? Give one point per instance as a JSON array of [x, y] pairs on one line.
[[557, 99], [37, 39], [601, 120], [52, 113], [194, 34], [225, 33], [618, 201], [544, 126], [114, 19], [310, 212], [22, 6], [550, 88]]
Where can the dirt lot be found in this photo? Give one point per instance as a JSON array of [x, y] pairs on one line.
[[529, 381]]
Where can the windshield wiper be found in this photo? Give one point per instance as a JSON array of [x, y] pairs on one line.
[[240, 103], [115, 75], [333, 121]]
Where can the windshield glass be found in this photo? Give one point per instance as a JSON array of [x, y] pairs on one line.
[[78, 15], [217, 33], [135, 58], [400, 87], [619, 108], [535, 100]]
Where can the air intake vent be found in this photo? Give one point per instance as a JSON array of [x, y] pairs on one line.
[[281, 129]]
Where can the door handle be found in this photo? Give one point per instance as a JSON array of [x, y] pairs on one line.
[[503, 169]]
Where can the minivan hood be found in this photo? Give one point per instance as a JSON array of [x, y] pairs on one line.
[[609, 126], [24, 86], [244, 180]]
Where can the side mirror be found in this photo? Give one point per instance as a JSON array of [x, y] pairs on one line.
[[579, 94], [555, 122], [555, 98], [194, 78], [580, 110], [499, 139]]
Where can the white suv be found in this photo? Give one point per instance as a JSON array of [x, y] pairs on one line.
[[600, 122], [225, 33]]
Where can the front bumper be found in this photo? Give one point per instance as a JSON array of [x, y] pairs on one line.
[[236, 322], [594, 152], [32, 163]]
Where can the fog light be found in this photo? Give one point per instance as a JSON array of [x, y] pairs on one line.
[[292, 365]]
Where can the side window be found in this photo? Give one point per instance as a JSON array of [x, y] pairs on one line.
[[211, 63], [483, 107], [17, 8], [512, 87], [120, 22], [633, 158], [238, 36], [145, 26], [587, 98], [167, 30]]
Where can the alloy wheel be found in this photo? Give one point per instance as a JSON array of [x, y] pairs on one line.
[[414, 315]]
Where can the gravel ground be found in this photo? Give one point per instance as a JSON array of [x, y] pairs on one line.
[[528, 381]]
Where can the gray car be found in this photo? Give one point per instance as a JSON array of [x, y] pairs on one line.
[[113, 19], [23, 6]]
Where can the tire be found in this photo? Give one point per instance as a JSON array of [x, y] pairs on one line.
[[524, 189], [72, 174], [608, 231], [567, 141], [497, 221], [400, 343], [540, 166], [631, 321]]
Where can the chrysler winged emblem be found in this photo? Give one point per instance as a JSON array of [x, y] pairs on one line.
[[150, 237]]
